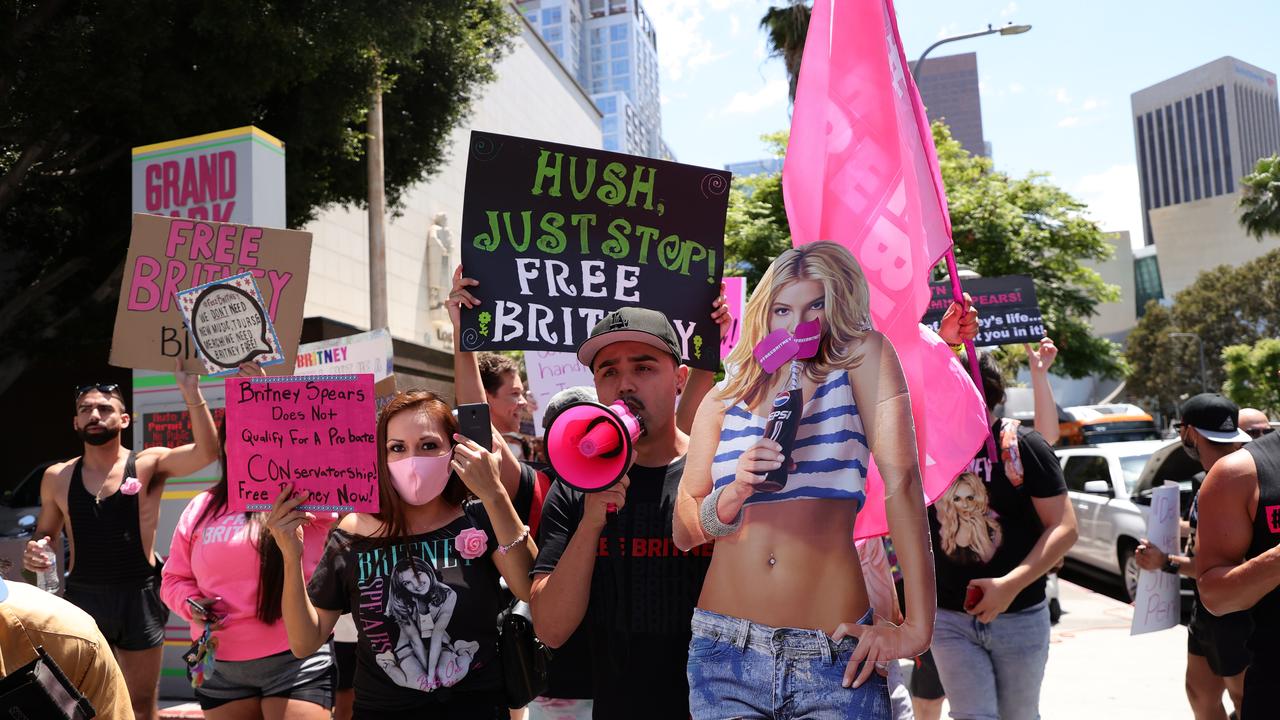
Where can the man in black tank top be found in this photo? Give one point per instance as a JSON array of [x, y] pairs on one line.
[[108, 501], [1239, 535]]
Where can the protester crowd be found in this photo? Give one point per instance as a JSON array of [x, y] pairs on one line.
[[786, 618]]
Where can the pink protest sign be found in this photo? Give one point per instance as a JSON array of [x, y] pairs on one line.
[[735, 293], [317, 433]]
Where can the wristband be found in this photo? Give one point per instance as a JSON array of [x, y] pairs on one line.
[[1171, 565], [193, 406], [504, 549], [709, 516]]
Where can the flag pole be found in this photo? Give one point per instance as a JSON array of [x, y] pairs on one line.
[[957, 294]]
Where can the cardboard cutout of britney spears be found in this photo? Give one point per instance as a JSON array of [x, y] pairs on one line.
[[785, 559]]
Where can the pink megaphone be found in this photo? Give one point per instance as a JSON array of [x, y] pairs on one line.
[[589, 444]]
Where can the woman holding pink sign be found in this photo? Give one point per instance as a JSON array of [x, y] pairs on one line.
[[775, 476], [224, 576], [421, 576]]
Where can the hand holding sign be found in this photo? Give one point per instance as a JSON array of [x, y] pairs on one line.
[[229, 323], [1041, 357]]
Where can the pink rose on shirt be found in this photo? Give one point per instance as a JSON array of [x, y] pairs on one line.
[[130, 486], [471, 543]]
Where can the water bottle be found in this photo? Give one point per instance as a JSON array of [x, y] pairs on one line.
[[47, 579]]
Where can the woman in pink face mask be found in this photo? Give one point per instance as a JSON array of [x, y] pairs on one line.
[[420, 577]]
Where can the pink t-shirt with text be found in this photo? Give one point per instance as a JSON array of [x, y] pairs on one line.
[[220, 559]]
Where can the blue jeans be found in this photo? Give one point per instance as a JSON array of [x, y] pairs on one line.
[[741, 669], [993, 671]]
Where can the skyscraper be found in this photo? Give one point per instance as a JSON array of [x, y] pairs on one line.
[[949, 90], [1196, 134], [610, 47]]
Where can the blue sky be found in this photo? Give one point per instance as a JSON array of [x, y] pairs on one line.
[[1054, 100]]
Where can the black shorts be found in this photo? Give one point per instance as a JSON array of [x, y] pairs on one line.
[[1221, 641], [131, 616], [344, 657], [925, 683]]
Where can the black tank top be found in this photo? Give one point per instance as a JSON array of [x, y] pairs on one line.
[[108, 534], [1265, 641]]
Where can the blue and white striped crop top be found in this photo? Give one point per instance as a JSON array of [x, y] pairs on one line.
[[830, 452]]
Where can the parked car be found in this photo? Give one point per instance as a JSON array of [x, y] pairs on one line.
[[1097, 424], [19, 508], [1109, 486]]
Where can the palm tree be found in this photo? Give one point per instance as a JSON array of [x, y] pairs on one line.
[[787, 27], [1260, 200]]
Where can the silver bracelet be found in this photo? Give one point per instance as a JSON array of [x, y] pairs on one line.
[[709, 516], [524, 535]]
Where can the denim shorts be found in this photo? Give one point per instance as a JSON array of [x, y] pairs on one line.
[[741, 669]]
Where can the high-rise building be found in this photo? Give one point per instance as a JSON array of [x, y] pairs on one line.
[[610, 47], [1196, 135], [949, 90], [755, 167]]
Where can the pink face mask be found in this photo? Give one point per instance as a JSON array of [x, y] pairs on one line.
[[781, 346], [419, 480]]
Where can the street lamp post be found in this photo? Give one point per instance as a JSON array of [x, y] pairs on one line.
[[1009, 29], [1204, 384]]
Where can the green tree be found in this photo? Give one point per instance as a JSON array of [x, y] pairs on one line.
[[1260, 198], [81, 83], [787, 27], [756, 229], [1253, 374], [1027, 226], [1224, 306], [1002, 226]]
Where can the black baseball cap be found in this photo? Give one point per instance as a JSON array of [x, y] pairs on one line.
[[631, 324], [1214, 417]]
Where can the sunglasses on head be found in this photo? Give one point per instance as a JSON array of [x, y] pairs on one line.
[[104, 388], [1256, 433]]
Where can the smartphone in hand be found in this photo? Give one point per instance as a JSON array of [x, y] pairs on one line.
[[972, 596], [473, 423]]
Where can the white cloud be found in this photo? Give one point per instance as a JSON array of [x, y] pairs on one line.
[[773, 94], [717, 5], [1015, 88], [682, 42], [1112, 197], [1062, 96], [1069, 121], [735, 25], [1090, 104], [948, 30], [1009, 9]]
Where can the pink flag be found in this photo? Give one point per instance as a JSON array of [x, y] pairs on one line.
[[861, 170]]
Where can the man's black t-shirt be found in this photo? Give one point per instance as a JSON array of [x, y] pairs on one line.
[[643, 592], [984, 525], [405, 594]]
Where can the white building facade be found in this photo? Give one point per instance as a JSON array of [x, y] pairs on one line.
[[535, 96]]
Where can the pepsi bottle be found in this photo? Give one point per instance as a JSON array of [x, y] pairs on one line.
[[784, 418]]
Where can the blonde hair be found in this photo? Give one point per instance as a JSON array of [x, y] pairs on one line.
[[847, 316], [985, 531]]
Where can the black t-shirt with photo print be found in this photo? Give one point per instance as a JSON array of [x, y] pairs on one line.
[[411, 598], [643, 592], [984, 525]]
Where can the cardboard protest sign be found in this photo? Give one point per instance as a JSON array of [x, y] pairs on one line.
[[558, 236], [229, 324], [1158, 606], [549, 373], [318, 433], [369, 352], [1008, 313], [735, 294], [168, 255]]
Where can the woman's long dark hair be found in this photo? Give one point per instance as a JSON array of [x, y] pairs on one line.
[[390, 506], [270, 560]]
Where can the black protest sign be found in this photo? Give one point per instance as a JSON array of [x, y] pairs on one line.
[[1007, 310], [558, 236]]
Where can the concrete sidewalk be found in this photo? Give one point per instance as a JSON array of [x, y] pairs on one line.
[[1097, 670]]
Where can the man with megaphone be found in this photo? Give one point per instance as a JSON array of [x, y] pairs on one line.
[[608, 560]]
